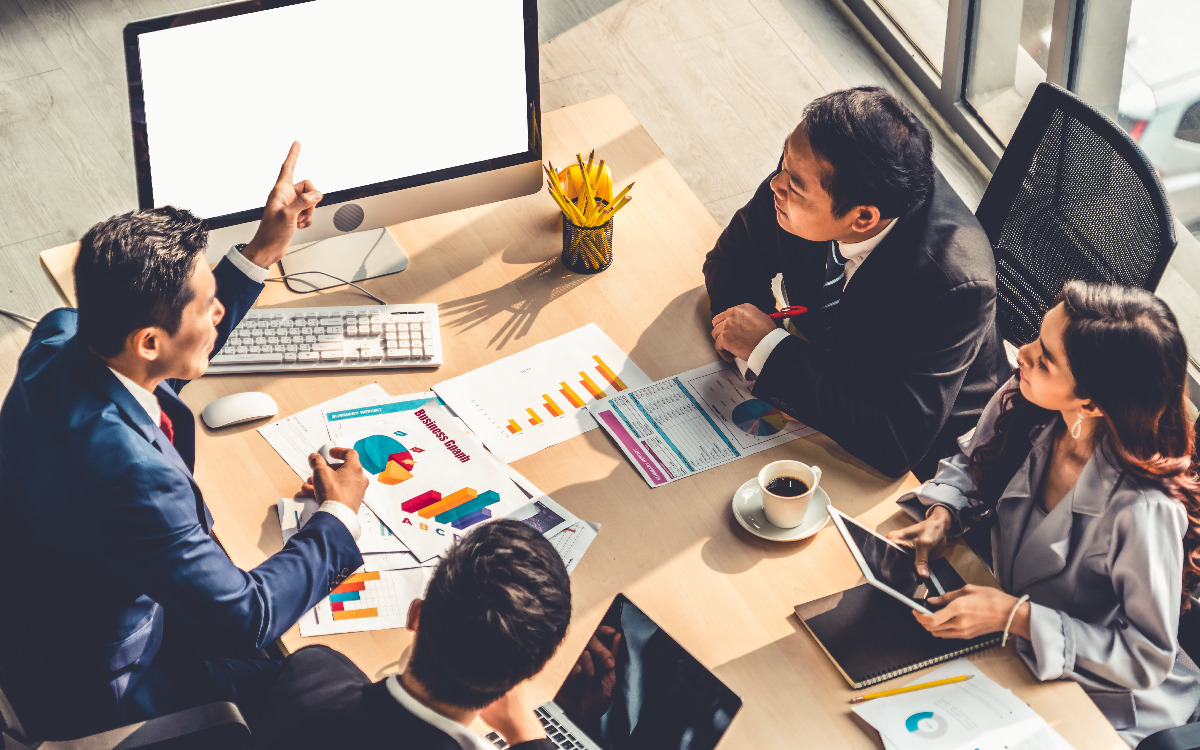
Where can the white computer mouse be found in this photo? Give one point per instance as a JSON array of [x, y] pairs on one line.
[[237, 408]]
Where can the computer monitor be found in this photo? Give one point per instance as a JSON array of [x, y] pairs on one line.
[[403, 109]]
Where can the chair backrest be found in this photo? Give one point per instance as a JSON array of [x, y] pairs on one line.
[[1073, 197]]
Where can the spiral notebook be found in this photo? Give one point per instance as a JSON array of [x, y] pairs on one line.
[[871, 637]]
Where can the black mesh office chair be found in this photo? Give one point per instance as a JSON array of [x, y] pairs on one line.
[[1073, 197], [213, 725]]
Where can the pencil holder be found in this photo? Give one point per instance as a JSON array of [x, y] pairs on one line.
[[587, 249]]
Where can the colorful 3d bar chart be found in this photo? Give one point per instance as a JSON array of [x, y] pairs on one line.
[[608, 374], [591, 386], [513, 427], [534, 419], [571, 395], [486, 498], [480, 515], [424, 500], [453, 500], [552, 407]]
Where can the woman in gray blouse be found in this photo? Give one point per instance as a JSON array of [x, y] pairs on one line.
[[1082, 463]]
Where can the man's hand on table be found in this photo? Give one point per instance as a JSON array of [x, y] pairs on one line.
[[289, 207], [739, 329], [346, 484]]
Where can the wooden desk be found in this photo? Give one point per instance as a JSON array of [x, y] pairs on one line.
[[676, 550]]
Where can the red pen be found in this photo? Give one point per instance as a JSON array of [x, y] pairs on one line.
[[788, 312]]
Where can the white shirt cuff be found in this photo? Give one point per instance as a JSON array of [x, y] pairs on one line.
[[255, 272], [343, 514], [758, 357]]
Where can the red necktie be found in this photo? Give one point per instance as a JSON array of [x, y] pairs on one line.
[[164, 424]]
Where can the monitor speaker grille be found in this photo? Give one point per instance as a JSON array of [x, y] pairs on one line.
[[348, 217]]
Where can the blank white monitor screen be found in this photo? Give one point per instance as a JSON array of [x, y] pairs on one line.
[[375, 90]]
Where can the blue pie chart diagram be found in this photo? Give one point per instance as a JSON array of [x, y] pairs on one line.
[[926, 725], [757, 417], [374, 450]]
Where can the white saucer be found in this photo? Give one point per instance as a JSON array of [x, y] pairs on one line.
[[748, 510]]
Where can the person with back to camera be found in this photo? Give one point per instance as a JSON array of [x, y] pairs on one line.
[[134, 610], [899, 352], [496, 610], [1084, 463]]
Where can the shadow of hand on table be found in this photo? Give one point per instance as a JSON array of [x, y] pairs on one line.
[[521, 299]]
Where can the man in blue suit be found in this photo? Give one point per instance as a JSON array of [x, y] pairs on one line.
[[119, 605]]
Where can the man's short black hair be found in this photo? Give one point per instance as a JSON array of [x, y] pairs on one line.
[[134, 271], [497, 608], [881, 155]]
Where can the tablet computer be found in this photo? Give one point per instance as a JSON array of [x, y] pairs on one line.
[[891, 568]]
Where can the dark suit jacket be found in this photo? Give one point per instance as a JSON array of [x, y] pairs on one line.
[[913, 355], [322, 700], [104, 530]]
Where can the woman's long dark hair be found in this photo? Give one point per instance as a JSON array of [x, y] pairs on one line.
[[1128, 356]]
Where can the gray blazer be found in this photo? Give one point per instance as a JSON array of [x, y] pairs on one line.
[[1103, 571]]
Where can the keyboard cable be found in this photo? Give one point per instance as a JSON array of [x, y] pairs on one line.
[[315, 288]]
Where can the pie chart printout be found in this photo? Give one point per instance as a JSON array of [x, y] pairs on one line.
[[385, 457], [757, 417]]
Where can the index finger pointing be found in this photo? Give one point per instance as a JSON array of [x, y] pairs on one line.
[[288, 169]]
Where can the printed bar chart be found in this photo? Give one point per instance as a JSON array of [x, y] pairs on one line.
[[570, 395], [513, 427], [552, 407], [591, 386], [490, 497], [352, 590], [534, 419], [480, 515], [608, 374], [453, 500], [424, 500]]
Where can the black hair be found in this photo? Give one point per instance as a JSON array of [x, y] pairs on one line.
[[879, 153], [134, 271], [496, 610]]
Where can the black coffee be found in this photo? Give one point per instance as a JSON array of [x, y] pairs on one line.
[[787, 486]]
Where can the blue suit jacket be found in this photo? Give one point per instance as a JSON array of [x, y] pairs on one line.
[[104, 532]]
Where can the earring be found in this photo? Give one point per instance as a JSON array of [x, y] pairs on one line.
[[1077, 428]]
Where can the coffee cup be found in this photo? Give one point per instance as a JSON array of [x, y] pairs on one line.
[[787, 487]]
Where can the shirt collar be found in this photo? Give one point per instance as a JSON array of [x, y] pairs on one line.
[[465, 738], [856, 252], [145, 398]]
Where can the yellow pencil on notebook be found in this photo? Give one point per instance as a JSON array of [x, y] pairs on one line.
[[910, 688]]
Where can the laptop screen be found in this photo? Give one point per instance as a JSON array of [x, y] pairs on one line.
[[635, 688]]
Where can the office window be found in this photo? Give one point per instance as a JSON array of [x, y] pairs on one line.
[[1008, 58]]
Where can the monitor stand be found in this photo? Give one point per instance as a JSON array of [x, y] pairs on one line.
[[350, 257]]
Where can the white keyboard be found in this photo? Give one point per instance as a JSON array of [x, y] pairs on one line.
[[332, 338]]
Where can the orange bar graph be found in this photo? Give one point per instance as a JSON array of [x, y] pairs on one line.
[[608, 374], [453, 500], [513, 427], [354, 614], [591, 386], [348, 586], [534, 419], [571, 395], [552, 407], [364, 576]]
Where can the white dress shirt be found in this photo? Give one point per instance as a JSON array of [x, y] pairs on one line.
[[465, 738], [854, 253], [149, 401]]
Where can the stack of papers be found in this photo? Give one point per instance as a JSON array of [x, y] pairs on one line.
[[977, 714], [413, 448]]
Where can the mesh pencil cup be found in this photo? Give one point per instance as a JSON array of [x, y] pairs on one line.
[[587, 249]]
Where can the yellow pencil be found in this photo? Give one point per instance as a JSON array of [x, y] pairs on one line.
[[910, 688]]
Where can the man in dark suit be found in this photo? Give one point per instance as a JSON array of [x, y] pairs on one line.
[[104, 534], [899, 351], [496, 610]]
